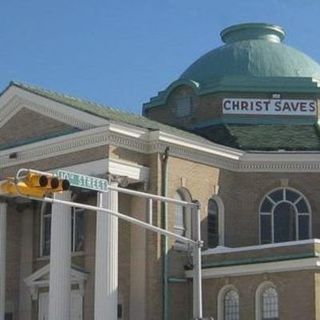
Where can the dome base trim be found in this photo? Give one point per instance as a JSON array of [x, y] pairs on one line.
[[240, 84]]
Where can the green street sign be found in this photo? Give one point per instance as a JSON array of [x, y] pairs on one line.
[[83, 181]]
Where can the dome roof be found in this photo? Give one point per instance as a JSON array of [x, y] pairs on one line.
[[252, 50]]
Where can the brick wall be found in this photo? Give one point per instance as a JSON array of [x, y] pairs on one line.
[[27, 124]]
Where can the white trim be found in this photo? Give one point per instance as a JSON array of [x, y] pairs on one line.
[[284, 200], [208, 147], [133, 171], [222, 249], [129, 130], [137, 139], [35, 281], [73, 254], [259, 268]]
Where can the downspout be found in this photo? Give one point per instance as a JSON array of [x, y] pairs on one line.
[[165, 245]]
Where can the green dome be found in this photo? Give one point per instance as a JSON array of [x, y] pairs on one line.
[[252, 50]]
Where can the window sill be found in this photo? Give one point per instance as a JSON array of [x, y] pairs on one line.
[[73, 254]]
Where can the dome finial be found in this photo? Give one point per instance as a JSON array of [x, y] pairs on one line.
[[250, 31]]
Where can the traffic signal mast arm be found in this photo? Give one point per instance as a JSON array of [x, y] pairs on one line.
[[33, 183], [37, 185]]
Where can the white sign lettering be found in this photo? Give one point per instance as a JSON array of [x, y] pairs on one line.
[[83, 181], [269, 107]]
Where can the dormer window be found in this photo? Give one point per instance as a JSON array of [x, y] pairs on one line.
[[183, 106]]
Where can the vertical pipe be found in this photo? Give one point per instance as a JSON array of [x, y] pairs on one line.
[[164, 184], [197, 277], [3, 231], [150, 212]]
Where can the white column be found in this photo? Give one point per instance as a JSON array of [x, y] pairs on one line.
[[60, 260], [3, 229], [106, 268]]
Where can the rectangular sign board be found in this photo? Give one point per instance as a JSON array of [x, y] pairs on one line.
[[282, 107], [83, 181]]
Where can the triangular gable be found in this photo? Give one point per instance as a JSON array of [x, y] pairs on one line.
[[15, 98], [28, 126], [40, 279], [27, 117]]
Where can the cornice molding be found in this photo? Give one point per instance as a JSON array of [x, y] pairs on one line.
[[279, 166], [259, 268], [142, 141], [289, 244]]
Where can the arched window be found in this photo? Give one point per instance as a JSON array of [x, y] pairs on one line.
[[267, 302], [228, 304], [184, 103], [180, 217], [215, 222], [182, 220], [285, 215], [231, 305], [270, 304]]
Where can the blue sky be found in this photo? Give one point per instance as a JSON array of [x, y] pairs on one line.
[[120, 53]]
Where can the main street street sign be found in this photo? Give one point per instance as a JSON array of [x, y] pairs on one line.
[[83, 181]]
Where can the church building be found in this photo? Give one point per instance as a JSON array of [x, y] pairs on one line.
[[237, 131]]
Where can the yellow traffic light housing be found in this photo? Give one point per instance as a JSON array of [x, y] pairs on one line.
[[49, 183], [33, 184]]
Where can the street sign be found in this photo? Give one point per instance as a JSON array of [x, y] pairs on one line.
[[83, 181]]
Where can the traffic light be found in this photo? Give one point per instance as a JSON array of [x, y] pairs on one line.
[[33, 184]]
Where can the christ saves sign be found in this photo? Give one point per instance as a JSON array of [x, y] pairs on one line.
[[269, 107]]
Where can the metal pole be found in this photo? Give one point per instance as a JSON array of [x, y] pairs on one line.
[[197, 277], [150, 211], [153, 196], [119, 215]]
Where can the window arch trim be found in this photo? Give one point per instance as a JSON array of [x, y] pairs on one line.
[[258, 298], [184, 195], [221, 299]]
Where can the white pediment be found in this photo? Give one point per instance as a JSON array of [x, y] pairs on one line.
[[40, 279], [14, 99]]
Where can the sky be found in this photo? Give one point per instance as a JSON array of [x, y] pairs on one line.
[[120, 52]]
